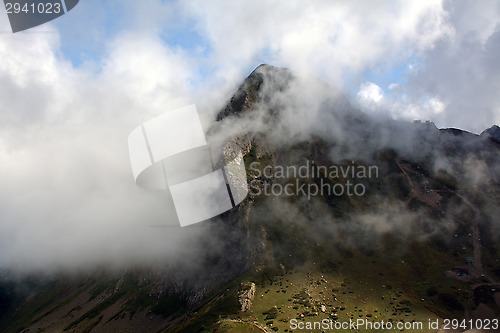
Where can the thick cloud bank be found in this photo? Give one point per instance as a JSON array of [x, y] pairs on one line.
[[67, 196]]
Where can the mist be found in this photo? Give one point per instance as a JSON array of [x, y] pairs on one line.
[[68, 200]]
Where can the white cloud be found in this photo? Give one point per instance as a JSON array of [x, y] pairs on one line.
[[370, 93], [454, 43], [461, 71], [436, 105], [330, 39], [154, 76], [64, 169], [68, 197]]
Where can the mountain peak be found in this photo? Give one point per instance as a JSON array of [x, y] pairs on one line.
[[493, 133], [249, 91]]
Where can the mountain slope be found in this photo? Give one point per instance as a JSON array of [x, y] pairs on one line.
[[348, 216]]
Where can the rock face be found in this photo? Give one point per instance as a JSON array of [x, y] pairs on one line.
[[250, 92], [246, 295], [493, 133]]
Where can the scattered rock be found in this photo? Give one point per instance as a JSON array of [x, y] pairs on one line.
[[246, 295], [271, 313]]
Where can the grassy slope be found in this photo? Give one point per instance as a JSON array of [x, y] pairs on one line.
[[383, 287]]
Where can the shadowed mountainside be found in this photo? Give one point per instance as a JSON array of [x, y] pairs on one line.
[[416, 239]]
